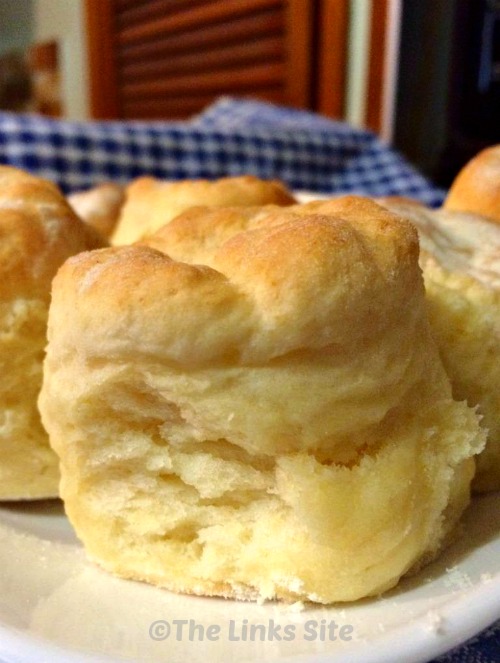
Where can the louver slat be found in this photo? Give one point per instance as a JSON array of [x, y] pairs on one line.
[[207, 13], [217, 60], [203, 38]]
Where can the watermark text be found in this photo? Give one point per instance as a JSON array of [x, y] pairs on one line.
[[245, 631]]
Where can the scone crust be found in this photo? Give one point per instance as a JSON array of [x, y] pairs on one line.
[[39, 230], [192, 313], [151, 203], [99, 206], [476, 188]]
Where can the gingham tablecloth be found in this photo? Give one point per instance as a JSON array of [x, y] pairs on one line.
[[231, 137]]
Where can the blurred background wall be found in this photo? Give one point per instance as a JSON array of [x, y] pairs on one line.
[[16, 24], [25, 24], [63, 21], [448, 93]]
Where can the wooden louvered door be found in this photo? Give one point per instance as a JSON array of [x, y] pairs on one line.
[[168, 59]]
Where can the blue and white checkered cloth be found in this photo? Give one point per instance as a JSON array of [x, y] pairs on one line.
[[232, 137], [483, 648]]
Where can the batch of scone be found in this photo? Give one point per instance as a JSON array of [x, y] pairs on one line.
[[436, 619]]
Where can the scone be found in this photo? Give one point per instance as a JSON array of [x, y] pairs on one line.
[[272, 422], [38, 231], [99, 206], [151, 203], [460, 259], [476, 188]]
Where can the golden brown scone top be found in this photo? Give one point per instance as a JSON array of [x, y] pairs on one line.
[[294, 282], [195, 235], [99, 206], [387, 201], [38, 231], [476, 188], [151, 203]]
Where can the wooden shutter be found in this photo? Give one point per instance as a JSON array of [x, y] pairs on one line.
[[170, 58]]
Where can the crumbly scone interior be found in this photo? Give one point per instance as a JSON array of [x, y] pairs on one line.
[[38, 231], [28, 466]]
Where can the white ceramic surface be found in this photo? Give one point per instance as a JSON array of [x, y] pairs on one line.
[[56, 607]]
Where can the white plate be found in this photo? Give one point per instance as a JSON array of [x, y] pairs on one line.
[[56, 607]]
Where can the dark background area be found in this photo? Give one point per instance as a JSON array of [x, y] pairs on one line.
[[448, 101]]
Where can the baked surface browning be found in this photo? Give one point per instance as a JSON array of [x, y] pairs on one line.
[[267, 418], [476, 188], [151, 203], [99, 206], [38, 231]]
